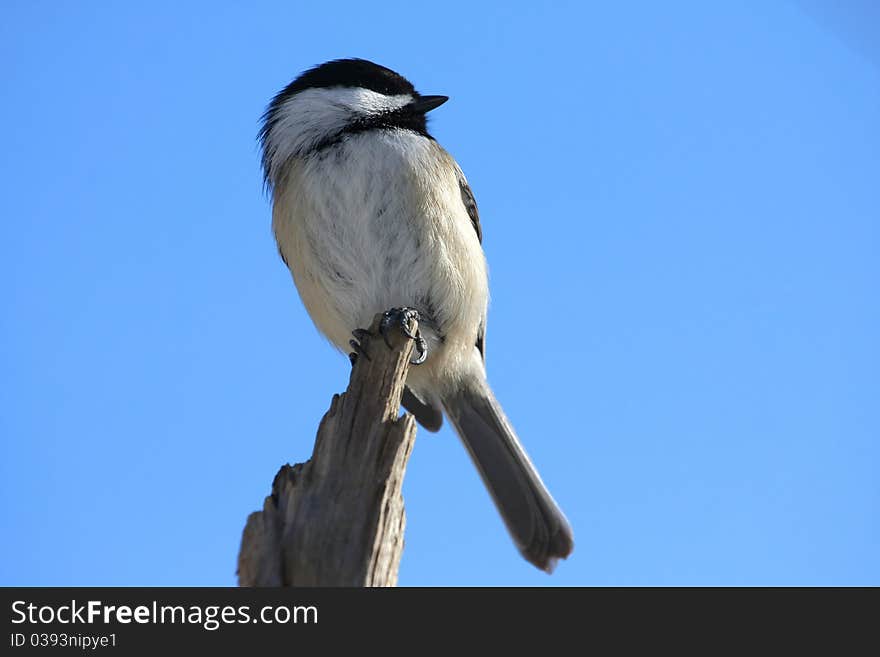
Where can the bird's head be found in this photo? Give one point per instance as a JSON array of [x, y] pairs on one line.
[[337, 98]]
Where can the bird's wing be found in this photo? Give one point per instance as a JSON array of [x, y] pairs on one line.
[[470, 204], [427, 414]]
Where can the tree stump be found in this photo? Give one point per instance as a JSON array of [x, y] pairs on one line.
[[338, 519]]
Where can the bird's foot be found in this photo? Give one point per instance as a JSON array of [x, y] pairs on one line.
[[405, 317], [355, 344]]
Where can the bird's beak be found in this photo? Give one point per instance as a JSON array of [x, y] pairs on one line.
[[424, 104]]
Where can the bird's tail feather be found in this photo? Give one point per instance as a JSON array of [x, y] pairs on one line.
[[536, 523]]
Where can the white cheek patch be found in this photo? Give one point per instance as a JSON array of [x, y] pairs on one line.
[[311, 116], [364, 101]]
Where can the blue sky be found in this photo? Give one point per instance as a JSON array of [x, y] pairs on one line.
[[680, 209]]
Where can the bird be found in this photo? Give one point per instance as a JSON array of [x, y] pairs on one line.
[[372, 215]]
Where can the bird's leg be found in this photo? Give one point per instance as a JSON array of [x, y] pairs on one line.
[[404, 317], [359, 334]]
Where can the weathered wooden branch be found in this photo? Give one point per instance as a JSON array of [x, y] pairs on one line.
[[338, 519]]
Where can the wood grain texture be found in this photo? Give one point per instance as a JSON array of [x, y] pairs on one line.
[[338, 519]]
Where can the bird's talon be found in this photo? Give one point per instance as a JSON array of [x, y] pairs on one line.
[[404, 326], [360, 334], [405, 317], [358, 350], [422, 349]]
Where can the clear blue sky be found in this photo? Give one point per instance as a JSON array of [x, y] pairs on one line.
[[680, 206]]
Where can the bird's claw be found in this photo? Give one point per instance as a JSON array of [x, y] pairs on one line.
[[404, 317], [422, 349], [357, 346]]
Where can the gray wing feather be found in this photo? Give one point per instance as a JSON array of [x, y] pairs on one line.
[[470, 204]]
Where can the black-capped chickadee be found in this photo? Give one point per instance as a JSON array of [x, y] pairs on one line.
[[370, 213]]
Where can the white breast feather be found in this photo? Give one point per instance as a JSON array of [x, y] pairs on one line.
[[377, 222]]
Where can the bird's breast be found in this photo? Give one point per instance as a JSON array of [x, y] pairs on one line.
[[377, 221]]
